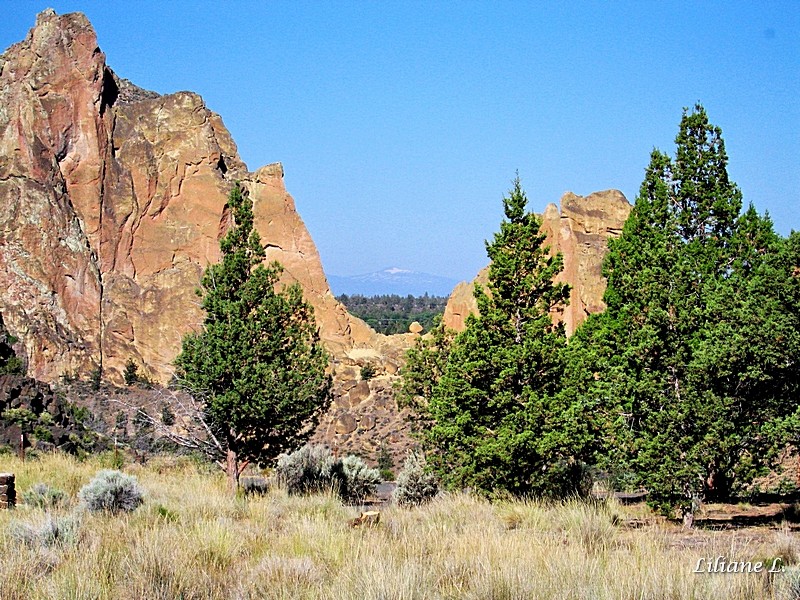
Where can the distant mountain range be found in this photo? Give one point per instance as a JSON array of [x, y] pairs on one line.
[[392, 281]]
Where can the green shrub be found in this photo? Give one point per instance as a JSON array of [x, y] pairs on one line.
[[167, 416], [367, 372], [43, 434], [131, 373], [95, 378], [112, 491], [80, 414], [121, 423], [359, 480], [385, 461], [41, 495], [414, 484], [310, 469], [313, 468], [169, 516]]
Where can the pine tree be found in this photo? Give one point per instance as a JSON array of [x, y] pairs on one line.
[[497, 420], [257, 366], [687, 363]]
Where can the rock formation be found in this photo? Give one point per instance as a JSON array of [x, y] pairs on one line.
[[580, 232], [34, 409], [363, 418], [112, 202]]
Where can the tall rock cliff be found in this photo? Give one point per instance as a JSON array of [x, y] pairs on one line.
[[112, 202], [580, 232]]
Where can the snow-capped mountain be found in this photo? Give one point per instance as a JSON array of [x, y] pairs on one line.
[[392, 281]]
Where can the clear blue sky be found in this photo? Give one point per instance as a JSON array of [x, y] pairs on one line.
[[401, 124]]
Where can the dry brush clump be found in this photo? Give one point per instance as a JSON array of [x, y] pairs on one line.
[[41, 495], [314, 468], [415, 485], [112, 491], [191, 539]]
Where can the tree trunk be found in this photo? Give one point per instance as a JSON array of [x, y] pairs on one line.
[[718, 486], [232, 470]]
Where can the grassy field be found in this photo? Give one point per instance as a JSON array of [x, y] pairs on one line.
[[191, 540]]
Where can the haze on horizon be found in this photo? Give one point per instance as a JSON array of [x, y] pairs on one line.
[[401, 125]]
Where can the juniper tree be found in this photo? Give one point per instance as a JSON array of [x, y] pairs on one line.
[[497, 421], [257, 367], [693, 365]]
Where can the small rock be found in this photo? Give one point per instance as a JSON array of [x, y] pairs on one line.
[[359, 393], [345, 424]]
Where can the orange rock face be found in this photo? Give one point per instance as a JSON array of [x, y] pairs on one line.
[[112, 202], [580, 232]]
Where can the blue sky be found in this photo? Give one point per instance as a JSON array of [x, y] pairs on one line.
[[400, 125]]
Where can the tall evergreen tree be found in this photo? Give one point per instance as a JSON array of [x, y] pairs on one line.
[[257, 366], [689, 362], [497, 421]]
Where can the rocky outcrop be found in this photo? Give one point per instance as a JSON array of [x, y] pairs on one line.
[[112, 202], [365, 420], [31, 413], [580, 232]]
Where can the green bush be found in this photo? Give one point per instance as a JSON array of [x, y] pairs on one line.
[[368, 372], [310, 469], [359, 480], [167, 416], [385, 461], [414, 485], [41, 495], [43, 434], [313, 469], [80, 414], [131, 373], [95, 378], [112, 491]]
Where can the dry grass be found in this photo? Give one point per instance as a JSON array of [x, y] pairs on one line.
[[191, 540]]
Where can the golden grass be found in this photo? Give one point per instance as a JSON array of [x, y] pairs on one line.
[[191, 540]]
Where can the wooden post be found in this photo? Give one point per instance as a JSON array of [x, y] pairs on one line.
[[22, 446], [8, 494]]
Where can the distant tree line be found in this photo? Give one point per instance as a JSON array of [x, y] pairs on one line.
[[390, 313]]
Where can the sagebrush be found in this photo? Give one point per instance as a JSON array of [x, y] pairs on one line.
[[112, 491], [313, 468], [359, 481], [41, 495], [415, 485], [51, 531], [308, 469]]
